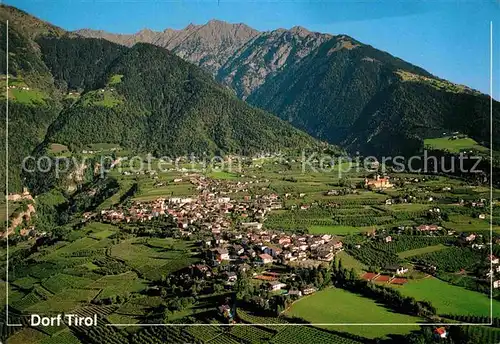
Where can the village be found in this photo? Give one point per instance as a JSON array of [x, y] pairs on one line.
[[243, 237], [245, 240], [234, 234]]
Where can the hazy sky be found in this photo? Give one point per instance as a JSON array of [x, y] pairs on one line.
[[450, 39]]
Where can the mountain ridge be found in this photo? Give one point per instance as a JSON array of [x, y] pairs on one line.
[[343, 91], [67, 89], [334, 88]]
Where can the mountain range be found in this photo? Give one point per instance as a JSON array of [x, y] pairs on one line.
[[222, 87], [76, 91], [332, 86]]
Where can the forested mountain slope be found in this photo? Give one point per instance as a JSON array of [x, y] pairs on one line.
[[34, 100], [341, 90], [349, 93], [150, 100], [76, 91]]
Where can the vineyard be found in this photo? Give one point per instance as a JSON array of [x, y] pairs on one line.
[[452, 259], [328, 216], [162, 335], [205, 333], [261, 320], [63, 337], [473, 319], [409, 242], [101, 333], [372, 257], [251, 334], [61, 282], [113, 285], [223, 339], [307, 334], [381, 254], [485, 334]]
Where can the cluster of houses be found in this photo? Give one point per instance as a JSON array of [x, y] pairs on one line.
[[25, 88], [208, 210], [494, 271], [212, 212], [378, 183], [262, 247]]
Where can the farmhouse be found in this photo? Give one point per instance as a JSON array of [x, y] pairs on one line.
[[295, 293], [493, 259], [308, 290], [265, 258], [251, 225], [231, 277], [470, 237], [336, 244], [220, 254], [440, 332], [378, 183], [428, 228], [397, 269], [325, 256], [276, 285]]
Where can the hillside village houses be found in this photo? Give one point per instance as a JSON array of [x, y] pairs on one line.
[[246, 242], [378, 183]]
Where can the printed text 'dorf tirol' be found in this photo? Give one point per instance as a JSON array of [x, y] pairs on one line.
[[69, 319]]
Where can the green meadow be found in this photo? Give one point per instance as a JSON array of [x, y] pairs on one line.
[[454, 145], [450, 299], [334, 305], [419, 251]]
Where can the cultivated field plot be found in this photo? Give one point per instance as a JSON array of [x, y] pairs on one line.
[[339, 306], [64, 301], [58, 149], [72, 248], [422, 250], [139, 306], [151, 259], [114, 285], [150, 192], [337, 230], [350, 262], [303, 334], [99, 230], [450, 299], [468, 224], [60, 282], [454, 145], [63, 337], [28, 336]]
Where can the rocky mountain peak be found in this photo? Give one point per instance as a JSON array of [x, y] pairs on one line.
[[299, 30]]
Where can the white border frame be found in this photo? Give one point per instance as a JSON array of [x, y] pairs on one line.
[[245, 324]]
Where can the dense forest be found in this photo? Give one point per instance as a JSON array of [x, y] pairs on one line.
[[30, 118], [146, 99], [151, 100], [76, 91], [368, 100]]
